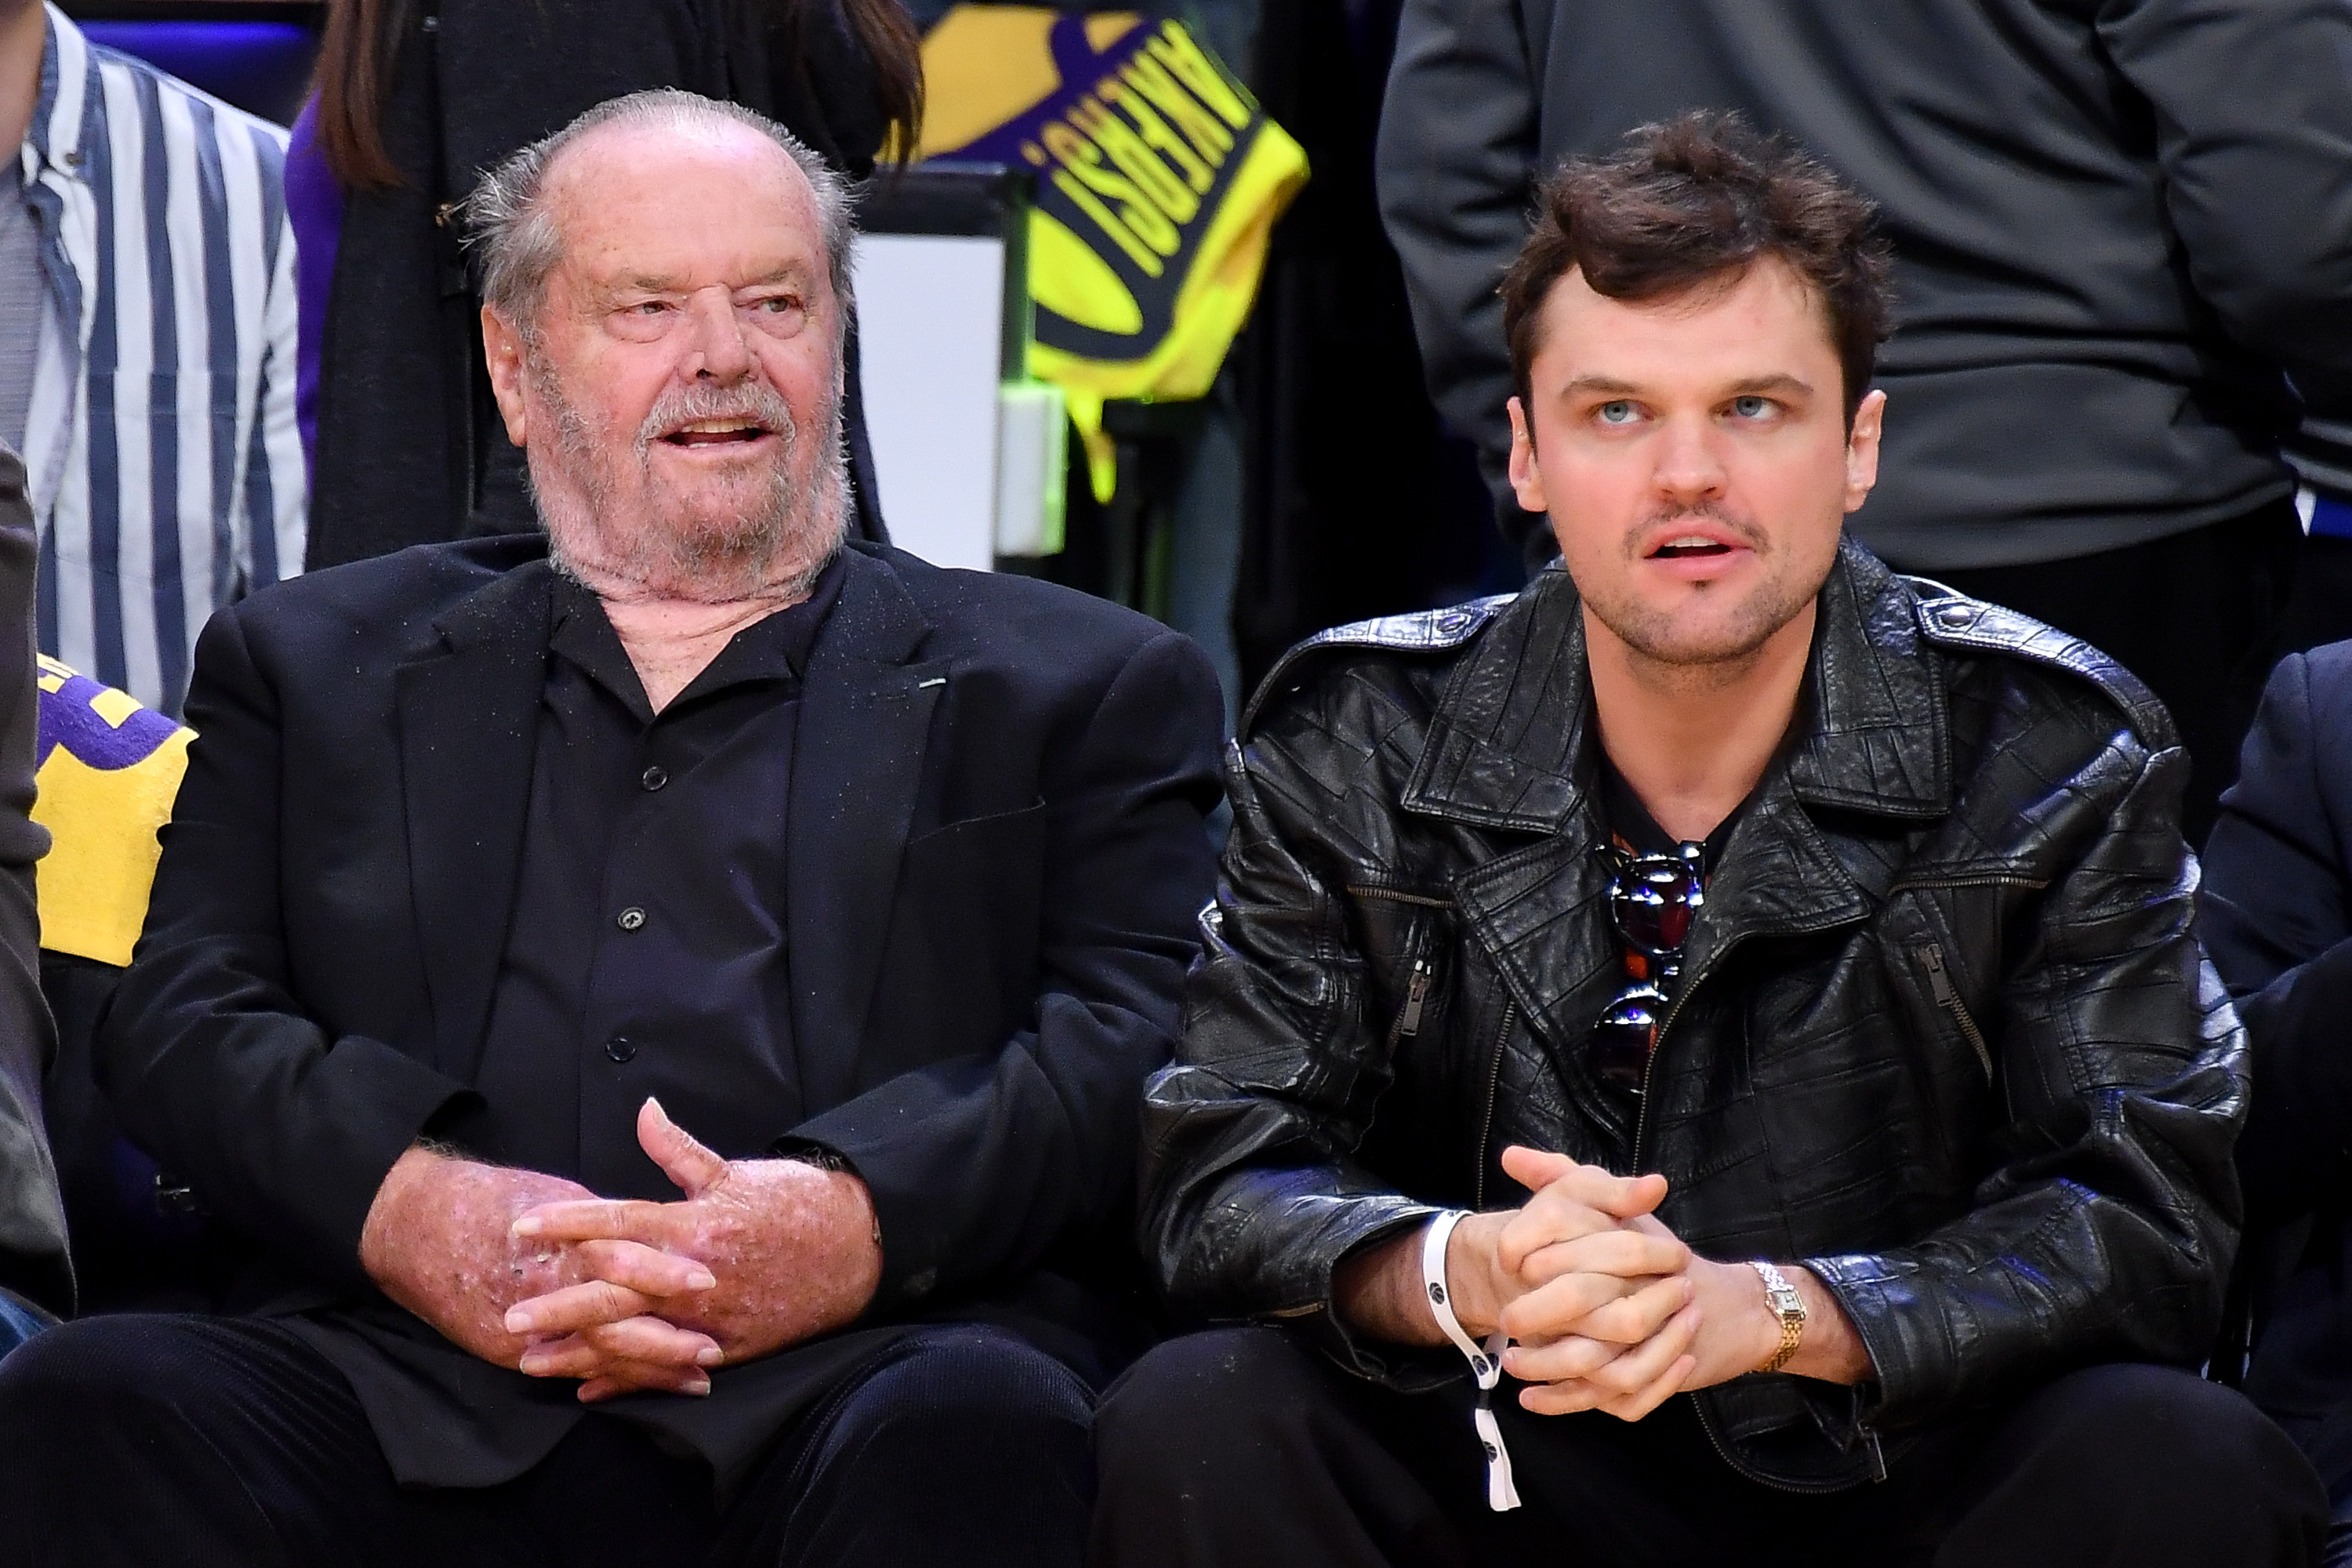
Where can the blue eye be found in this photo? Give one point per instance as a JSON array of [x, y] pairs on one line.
[[1617, 411], [1751, 407]]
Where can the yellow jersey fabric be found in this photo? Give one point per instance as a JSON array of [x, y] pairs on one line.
[[108, 771], [1158, 180]]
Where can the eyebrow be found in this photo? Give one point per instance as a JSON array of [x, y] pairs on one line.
[[1780, 381], [1610, 386], [648, 283]]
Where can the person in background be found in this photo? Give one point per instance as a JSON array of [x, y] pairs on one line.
[[2277, 918], [415, 99], [665, 1000], [2112, 257], [147, 350], [36, 1277], [1705, 1060]]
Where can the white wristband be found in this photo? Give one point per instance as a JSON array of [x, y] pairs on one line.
[[1485, 1360]]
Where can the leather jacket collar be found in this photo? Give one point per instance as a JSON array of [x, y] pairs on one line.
[[1506, 747]]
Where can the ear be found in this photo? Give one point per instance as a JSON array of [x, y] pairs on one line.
[[1527, 481], [502, 347], [1862, 448]]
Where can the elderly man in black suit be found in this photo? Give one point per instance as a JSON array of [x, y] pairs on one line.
[[667, 1002]]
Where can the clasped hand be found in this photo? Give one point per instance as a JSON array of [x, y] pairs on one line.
[[1607, 1308], [536, 1272]]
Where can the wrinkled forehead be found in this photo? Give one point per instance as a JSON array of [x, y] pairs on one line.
[[683, 206]]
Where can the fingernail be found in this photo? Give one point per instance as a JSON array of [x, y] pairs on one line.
[[532, 1365], [517, 1320], [700, 1385], [702, 1279], [657, 1105], [710, 1355], [527, 1226]]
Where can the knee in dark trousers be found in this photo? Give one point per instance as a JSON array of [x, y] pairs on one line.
[[114, 1434], [961, 1445], [2137, 1464], [1246, 1446]]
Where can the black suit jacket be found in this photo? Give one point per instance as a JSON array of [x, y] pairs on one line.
[[995, 850], [2277, 918]]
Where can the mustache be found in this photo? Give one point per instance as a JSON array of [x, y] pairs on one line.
[[1703, 511], [753, 400]]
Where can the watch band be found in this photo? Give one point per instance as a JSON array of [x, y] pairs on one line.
[[1485, 1360], [1789, 1306]]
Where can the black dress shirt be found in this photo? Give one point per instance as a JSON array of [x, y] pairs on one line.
[[647, 954]]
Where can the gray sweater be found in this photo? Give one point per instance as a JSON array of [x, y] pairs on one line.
[[2121, 226]]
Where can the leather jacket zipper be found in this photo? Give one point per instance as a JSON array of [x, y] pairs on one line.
[[1494, 1085], [1416, 993], [1642, 1108], [1948, 997]]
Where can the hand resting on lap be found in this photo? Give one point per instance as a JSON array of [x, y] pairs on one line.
[[536, 1272]]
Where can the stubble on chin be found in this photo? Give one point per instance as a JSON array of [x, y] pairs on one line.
[[618, 528], [1717, 632]]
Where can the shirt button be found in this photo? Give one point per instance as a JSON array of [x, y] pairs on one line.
[[654, 777], [630, 919], [620, 1047]]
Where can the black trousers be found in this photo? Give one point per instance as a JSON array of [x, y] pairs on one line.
[[187, 1442], [1247, 1446], [2200, 617]]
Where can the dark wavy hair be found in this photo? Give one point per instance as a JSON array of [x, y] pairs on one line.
[[1694, 203], [355, 65]]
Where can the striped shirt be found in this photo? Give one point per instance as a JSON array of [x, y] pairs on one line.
[[166, 470]]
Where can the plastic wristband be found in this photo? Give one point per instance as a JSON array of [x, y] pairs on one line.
[[1485, 1360]]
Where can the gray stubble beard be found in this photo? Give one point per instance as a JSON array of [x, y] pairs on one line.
[[775, 549]]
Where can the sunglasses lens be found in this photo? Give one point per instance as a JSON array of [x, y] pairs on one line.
[[1621, 1039], [1652, 904]]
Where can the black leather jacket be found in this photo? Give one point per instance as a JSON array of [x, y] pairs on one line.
[[1945, 1035]]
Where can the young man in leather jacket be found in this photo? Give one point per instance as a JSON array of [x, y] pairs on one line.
[[1738, 1005]]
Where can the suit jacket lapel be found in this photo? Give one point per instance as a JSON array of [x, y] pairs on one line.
[[864, 726], [468, 713]]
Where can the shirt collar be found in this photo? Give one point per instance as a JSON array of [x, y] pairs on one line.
[[774, 647], [68, 101]]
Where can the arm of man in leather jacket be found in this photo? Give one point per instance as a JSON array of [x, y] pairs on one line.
[[1251, 1193], [2104, 1229]]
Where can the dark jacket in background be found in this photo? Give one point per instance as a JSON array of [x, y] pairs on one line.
[[2115, 222], [32, 1222], [410, 448], [1943, 1036], [1328, 375], [2278, 921], [994, 852]]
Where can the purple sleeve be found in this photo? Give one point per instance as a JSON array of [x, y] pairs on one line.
[[314, 204]]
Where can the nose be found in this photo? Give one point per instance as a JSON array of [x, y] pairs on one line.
[[1689, 466], [715, 347]]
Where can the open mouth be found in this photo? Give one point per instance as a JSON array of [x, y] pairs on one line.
[[717, 433], [1687, 547]]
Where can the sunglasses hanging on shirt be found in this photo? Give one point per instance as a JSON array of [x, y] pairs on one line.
[[1652, 898]]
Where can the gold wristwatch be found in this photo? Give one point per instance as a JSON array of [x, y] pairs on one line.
[[1789, 1308]]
